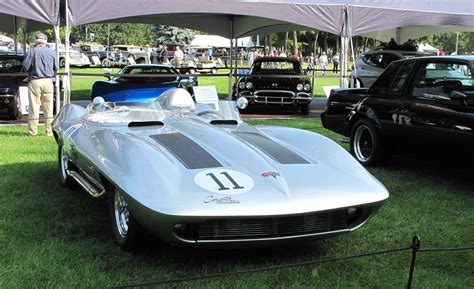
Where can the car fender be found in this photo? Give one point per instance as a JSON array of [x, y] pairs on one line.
[[361, 110]]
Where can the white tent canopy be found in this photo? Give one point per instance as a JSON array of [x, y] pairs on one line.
[[402, 35], [219, 41], [37, 14]]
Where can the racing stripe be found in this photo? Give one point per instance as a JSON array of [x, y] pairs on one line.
[[273, 149], [189, 153]]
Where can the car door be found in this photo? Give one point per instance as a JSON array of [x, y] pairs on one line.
[[440, 106], [384, 101]]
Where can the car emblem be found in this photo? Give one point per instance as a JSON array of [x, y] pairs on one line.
[[274, 84], [271, 174]]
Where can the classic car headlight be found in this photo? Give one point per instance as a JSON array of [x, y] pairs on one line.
[[307, 87], [299, 86], [241, 85], [249, 85]]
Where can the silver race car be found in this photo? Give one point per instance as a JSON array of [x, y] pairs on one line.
[[195, 174]]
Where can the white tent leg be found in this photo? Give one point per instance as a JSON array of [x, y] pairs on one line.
[[15, 28], [343, 83], [57, 86], [230, 54], [67, 74]]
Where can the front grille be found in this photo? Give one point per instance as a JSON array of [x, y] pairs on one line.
[[276, 93], [257, 228]]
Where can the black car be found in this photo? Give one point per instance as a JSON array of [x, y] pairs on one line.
[[275, 81], [11, 64], [420, 105]]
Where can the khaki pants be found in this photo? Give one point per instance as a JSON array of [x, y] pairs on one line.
[[40, 91]]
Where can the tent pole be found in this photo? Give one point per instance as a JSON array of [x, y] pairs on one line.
[[231, 60], [67, 76], [398, 35], [344, 51], [56, 84], [15, 37]]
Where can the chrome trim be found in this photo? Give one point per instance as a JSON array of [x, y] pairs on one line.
[[300, 97], [91, 186], [259, 239]]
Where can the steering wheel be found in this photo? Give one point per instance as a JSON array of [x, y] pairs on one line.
[[211, 112]]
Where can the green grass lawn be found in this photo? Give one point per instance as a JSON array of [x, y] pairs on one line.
[[81, 85], [54, 237]]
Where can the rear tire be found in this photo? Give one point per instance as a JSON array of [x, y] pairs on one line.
[[127, 231], [366, 143]]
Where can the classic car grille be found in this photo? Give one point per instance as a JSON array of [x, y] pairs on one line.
[[257, 228], [269, 93]]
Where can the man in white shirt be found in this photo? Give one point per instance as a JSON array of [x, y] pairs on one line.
[[178, 57], [323, 62]]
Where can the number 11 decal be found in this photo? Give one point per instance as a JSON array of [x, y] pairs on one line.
[[221, 186], [224, 181]]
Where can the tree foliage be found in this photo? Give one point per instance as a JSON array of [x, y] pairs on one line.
[[172, 35], [447, 42]]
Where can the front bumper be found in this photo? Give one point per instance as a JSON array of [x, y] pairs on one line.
[[279, 97]]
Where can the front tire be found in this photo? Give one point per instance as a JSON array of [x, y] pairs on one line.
[[366, 143], [304, 109], [127, 232], [14, 108]]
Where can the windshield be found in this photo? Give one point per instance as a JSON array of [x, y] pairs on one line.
[[145, 70], [126, 112], [277, 66]]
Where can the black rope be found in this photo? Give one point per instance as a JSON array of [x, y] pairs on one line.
[[446, 249], [278, 267]]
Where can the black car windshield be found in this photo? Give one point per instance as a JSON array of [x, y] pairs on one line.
[[10, 65], [144, 70], [277, 66]]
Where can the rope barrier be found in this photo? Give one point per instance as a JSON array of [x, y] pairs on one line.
[[414, 247]]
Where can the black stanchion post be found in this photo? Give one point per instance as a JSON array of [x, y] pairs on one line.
[[415, 246]]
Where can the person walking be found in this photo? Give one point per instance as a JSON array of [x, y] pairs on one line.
[[323, 62], [335, 62], [41, 65]]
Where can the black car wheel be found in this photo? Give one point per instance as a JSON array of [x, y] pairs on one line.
[[304, 109], [62, 62], [127, 232], [63, 166], [366, 143], [14, 107]]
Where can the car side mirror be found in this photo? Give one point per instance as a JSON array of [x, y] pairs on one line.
[[107, 73], [459, 96]]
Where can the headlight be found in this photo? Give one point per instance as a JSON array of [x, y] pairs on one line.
[[249, 85], [307, 87], [241, 85], [299, 86]]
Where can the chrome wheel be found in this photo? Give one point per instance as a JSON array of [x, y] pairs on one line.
[[121, 213], [363, 143]]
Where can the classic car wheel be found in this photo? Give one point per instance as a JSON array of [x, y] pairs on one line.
[[366, 143], [14, 107], [127, 231], [62, 62], [304, 108], [63, 163]]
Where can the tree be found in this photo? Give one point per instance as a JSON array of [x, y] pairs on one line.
[[172, 35]]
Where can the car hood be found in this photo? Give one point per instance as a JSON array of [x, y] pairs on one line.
[[193, 168], [264, 82], [10, 82]]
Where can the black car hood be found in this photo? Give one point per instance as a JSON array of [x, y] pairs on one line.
[[264, 81]]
